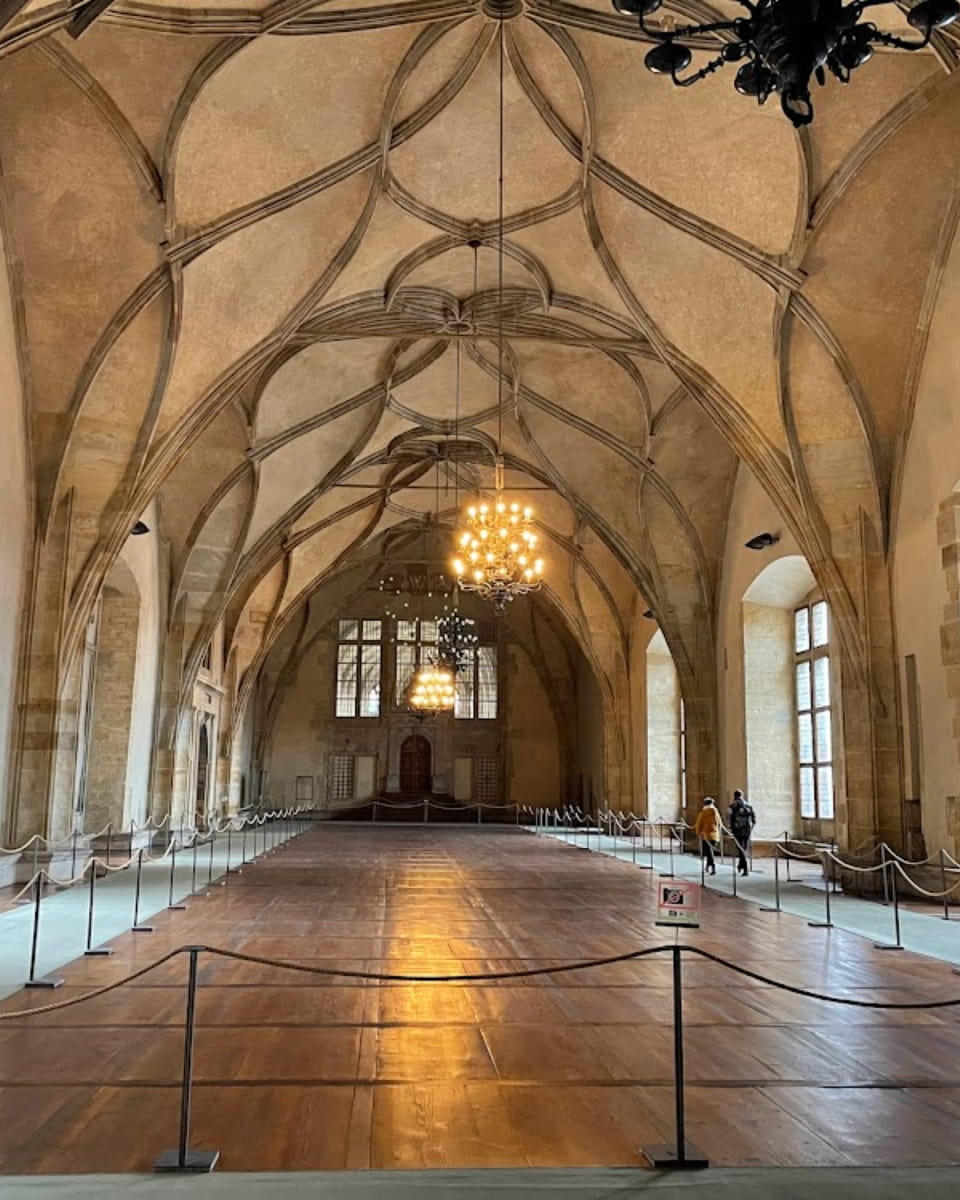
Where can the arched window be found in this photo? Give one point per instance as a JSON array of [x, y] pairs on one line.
[[811, 646]]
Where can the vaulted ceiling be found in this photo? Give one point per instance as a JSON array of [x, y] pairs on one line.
[[240, 240]]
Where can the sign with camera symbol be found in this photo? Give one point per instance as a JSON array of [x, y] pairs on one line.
[[678, 902]]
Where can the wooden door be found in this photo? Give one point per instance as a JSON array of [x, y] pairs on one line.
[[416, 773]]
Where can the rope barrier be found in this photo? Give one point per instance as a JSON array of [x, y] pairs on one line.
[[484, 976], [923, 891]]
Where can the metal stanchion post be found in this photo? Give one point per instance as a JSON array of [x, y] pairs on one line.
[[184, 1159], [776, 882], [109, 838], [91, 950], [633, 841], [36, 852], [943, 887], [670, 846], [735, 869], [137, 927], [45, 981], [680, 1155], [173, 868], [891, 864], [425, 803], [213, 838], [193, 868], [827, 888], [73, 855]]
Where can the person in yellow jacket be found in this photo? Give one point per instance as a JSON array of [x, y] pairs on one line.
[[707, 829]]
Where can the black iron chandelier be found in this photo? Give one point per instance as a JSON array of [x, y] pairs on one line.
[[783, 44], [456, 640]]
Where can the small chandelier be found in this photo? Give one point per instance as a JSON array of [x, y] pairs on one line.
[[782, 44], [498, 550], [456, 640], [433, 690]]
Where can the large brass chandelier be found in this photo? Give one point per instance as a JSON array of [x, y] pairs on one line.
[[433, 690], [496, 551]]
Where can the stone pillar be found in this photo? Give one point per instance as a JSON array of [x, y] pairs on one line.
[[111, 713], [948, 539]]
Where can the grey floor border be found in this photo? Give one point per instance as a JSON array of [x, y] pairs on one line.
[[766, 1183]]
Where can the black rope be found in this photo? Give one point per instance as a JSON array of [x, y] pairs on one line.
[[488, 976]]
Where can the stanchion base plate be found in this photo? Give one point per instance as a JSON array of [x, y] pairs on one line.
[[45, 982], [820, 924], [176, 907], [768, 908], [141, 929], [196, 1162], [884, 946], [665, 1158], [98, 952], [642, 866]]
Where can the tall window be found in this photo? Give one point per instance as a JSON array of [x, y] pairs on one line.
[[477, 686], [811, 644], [358, 669], [683, 756], [416, 644]]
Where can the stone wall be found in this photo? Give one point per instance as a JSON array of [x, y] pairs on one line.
[[925, 570]]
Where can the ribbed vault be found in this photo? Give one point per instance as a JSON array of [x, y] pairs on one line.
[[240, 244]]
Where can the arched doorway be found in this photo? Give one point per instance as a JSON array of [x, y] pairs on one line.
[[203, 761], [416, 767]]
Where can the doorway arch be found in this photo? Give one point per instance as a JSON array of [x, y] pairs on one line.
[[416, 764], [203, 771]]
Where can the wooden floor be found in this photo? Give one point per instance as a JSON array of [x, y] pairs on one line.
[[302, 1073]]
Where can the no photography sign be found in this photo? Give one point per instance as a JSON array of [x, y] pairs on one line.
[[678, 902]]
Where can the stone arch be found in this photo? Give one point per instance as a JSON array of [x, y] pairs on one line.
[[15, 520]]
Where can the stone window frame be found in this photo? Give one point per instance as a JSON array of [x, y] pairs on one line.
[[820, 716], [359, 649]]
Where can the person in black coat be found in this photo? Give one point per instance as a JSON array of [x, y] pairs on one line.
[[742, 819]]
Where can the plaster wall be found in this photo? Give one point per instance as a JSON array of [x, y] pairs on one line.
[[663, 732], [751, 512], [15, 522], [768, 677], [923, 606]]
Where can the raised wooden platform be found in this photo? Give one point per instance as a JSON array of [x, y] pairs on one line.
[[307, 1073]]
